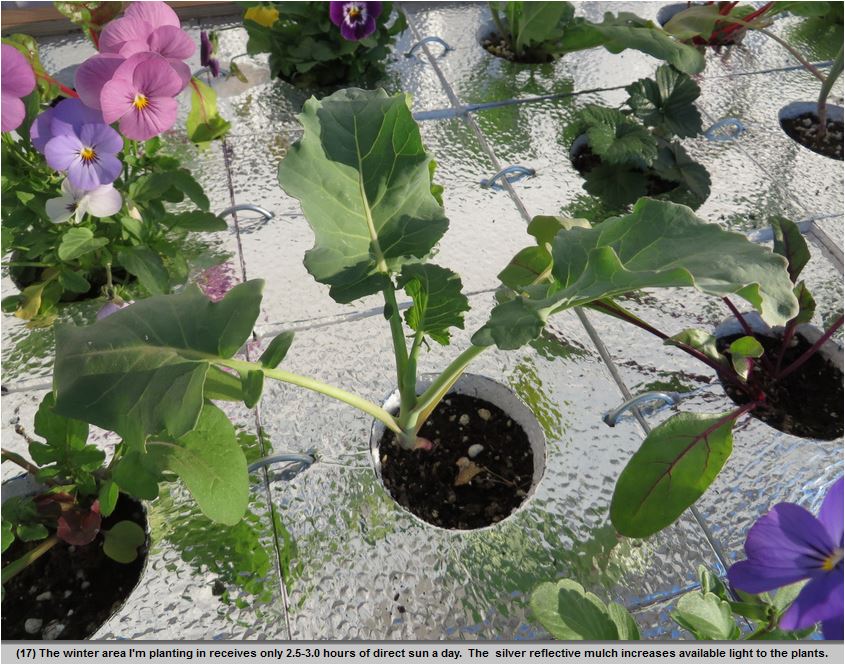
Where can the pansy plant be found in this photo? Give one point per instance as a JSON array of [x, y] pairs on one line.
[[364, 181], [323, 43], [85, 180]]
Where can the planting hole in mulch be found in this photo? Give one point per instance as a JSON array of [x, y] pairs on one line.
[[585, 160], [69, 592], [807, 403], [479, 471], [496, 45], [804, 128]]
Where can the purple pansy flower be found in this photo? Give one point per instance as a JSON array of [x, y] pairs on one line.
[[112, 306], [355, 19], [140, 95], [67, 117], [787, 545], [17, 81], [207, 58], [81, 144]]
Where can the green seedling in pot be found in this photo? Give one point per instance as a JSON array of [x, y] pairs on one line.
[[624, 154], [364, 181]]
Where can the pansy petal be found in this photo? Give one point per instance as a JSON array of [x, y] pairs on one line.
[[61, 151], [93, 74], [107, 168], [830, 514], [16, 76], [158, 117], [171, 42], [12, 113], [116, 99], [819, 600], [135, 46], [102, 138], [71, 114], [154, 76], [788, 536], [350, 33], [104, 201], [753, 577], [60, 209], [84, 176], [156, 14], [182, 71], [832, 628], [127, 29], [39, 132], [336, 12], [373, 9]]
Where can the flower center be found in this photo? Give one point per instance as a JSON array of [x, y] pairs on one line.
[[140, 102], [355, 13], [88, 154], [832, 560]]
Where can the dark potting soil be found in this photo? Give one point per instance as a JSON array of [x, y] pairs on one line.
[[424, 481], [23, 276], [585, 160], [804, 129], [69, 592], [807, 403], [496, 45]]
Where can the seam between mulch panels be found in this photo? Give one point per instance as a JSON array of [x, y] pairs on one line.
[[228, 154], [585, 321]]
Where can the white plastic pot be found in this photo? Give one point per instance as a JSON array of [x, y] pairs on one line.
[[497, 394]]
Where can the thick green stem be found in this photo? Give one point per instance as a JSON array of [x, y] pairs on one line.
[[499, 25], [19, 564], [400, 350], [317, 386], [20, 461], [441, 385], [409, 383], [827, 86]]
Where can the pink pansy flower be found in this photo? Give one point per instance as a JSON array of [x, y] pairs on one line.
[[150, 27], [93, 74], [17, 81], [140, 96]]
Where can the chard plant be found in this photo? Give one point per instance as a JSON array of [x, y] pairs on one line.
[[86, 178], [543, 31], [364, 181], [633, 151], [323, 43]]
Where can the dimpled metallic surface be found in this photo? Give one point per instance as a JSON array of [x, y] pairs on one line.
[[325, 552]]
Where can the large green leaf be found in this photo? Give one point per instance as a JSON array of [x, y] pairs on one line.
[[540, 22], [674, 466], [147, 266], [569, 612], [659, 244], [624, 31], [141, 370], [666, 102], [362, 177], [212, 465], [438, 303]]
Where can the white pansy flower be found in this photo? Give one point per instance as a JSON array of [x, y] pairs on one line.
[[103, 201]]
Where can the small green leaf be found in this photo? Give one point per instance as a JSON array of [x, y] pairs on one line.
[[204, 124], [276, 350], [196, 221], [806, 303], [62, 434], [138, 475], [694, 21], [526, 268], [676, 463], [790, 244], [150, 187], [107, 496], [754, 611], [625, 624], [74, 281], [182, 180], [29, 532], [438, 303], [79, 241], [147, 266], [569, 612], [545, 227], [8, 535], [698, 339], [710, 582], [741, 350], [123, 540], [253, 384], [705, 616], [212, 465], [223, 385], [616, 138]]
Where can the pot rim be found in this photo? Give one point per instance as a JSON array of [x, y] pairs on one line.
[[27, 485], [533, 430]]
